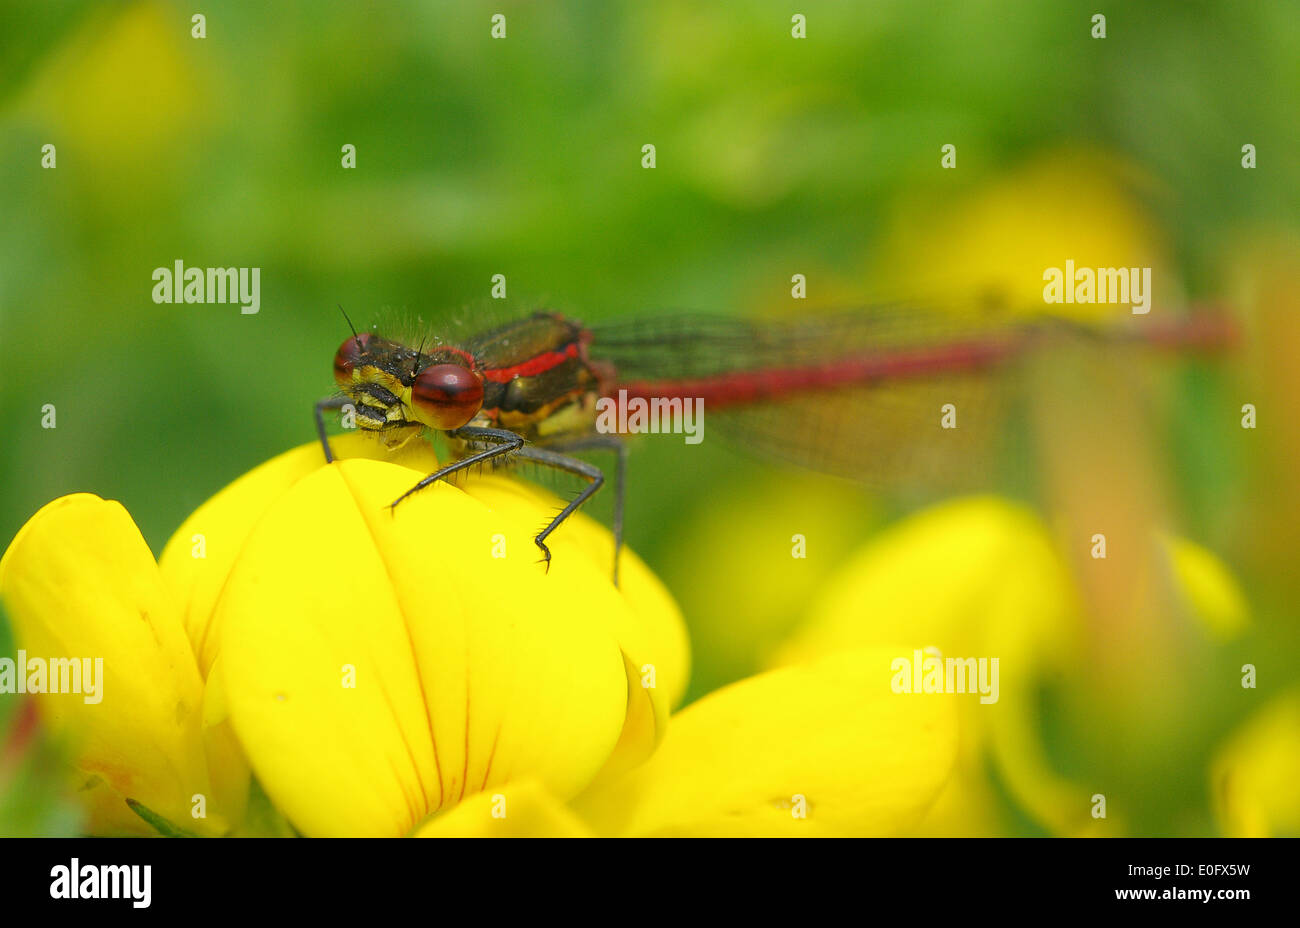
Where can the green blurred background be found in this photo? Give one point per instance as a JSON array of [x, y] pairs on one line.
[[522, 157]]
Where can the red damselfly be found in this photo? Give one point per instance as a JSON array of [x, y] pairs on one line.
[[860, 394]]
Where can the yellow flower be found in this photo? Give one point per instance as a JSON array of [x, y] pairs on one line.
[[981, 578], [126, 84], [987, 248], [823, 749], [375, 666], [382, 673], [78, 582], [521, 809], [1254, 774]]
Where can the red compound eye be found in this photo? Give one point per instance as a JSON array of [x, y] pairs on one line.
[[447, 395], [348, 357]]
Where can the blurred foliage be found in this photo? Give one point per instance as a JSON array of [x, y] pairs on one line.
[[522, 157]]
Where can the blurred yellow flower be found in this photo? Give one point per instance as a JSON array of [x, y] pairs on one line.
[[1254, 776], [980, 578], [987, 249], [126, 87]]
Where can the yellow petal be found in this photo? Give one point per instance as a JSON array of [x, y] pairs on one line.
[[650, 632], [829, 739], [518, 810], [79, 582], [227, 764], [659, 621], [123, 85], [470, 670], [975, 577], [197, 560], [930, 578], [1253, 776], [1209, 587], [968, 806], [992, 245]]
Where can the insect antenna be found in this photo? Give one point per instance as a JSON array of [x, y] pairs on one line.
[[415, 368], [348, 321]]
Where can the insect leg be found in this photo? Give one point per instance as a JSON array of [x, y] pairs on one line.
[[332, 402], [508, 443], [570, 466], [616, 444]]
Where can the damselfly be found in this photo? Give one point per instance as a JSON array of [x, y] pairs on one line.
[[859, 394]]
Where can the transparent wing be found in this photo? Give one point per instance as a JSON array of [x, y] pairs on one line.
[[683, 346], [922, 406]]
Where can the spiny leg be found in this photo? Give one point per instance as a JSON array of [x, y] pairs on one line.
[[331, 402], [603, 442], [570, 466], [509, 443]]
